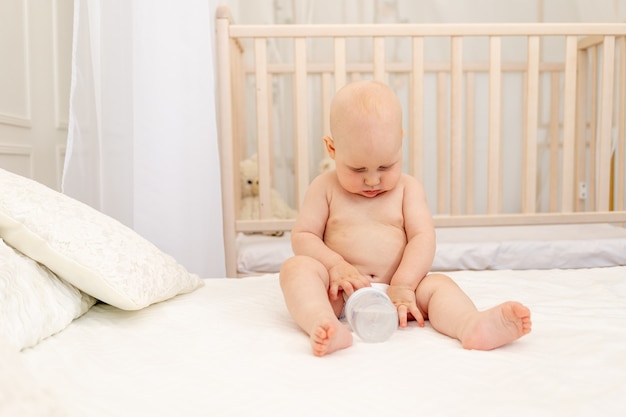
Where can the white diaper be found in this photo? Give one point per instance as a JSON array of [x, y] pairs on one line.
[[378, 285]]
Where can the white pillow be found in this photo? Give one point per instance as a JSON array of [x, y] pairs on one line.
[[260, 254], [34, 303], [547, 246], [95, 252]]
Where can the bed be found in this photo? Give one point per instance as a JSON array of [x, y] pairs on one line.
[[96, 321], [230, 349]]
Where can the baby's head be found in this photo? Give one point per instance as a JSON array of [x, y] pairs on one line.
[[366, 143], [366, 102]]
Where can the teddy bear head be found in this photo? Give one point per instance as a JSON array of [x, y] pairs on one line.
[[249, 175]]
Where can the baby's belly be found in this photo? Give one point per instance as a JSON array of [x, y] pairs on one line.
[[374, 250]]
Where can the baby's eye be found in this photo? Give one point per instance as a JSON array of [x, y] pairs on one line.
[[358, 169]]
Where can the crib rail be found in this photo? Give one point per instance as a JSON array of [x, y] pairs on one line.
[[568, 144]]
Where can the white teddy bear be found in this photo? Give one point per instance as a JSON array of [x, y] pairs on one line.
[[250, 207]]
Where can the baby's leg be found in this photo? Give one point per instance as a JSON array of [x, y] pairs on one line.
[[451, 312], [304, 282]]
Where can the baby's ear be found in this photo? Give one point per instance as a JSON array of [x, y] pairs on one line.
[[330, 146]]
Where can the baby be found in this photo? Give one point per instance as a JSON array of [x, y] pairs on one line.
[[366, 222]]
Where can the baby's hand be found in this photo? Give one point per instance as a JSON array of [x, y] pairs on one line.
[[346, 277], [404, 300]]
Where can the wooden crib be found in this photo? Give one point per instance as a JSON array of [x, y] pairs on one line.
[[506, 124]]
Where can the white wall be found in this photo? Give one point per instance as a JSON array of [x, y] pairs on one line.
[[35, 57]]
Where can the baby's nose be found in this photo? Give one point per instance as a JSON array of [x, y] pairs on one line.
[[372, 179]]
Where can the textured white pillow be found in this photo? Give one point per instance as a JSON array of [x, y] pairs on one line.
[[34, 303], [95, 252]]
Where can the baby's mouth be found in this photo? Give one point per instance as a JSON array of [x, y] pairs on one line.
[[371, 192]]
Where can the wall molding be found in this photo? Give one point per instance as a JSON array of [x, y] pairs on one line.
[[9, 152], [7, 119], [23, 150]]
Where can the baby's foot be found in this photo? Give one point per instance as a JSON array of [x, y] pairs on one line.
[[329, 337], [497, 326]]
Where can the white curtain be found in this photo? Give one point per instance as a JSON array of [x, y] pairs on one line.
[[142, 142]]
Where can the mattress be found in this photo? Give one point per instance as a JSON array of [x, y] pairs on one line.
[[230, 348], [494, 247]]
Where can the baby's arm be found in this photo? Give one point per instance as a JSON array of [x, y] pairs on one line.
[[418, 254], [307, 238]]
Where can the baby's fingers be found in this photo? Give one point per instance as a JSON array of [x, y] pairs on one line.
[[348, 288], [333, 291], [402, 315], [417, 315]]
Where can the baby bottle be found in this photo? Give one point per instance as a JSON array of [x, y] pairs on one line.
[[371, 314]]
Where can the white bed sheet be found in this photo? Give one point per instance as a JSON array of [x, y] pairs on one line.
[[231, 349], [478, 248]]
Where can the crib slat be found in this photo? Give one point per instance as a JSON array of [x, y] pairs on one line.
[[227, 139], [379, 59], [494, 186], [606, 123], [442, 145], [416, 105], [422, 29], [456, 105], [529, 165], [518, 219], [581, 127], [262, 127], [302, 137], [237, 76], [569, 124], [621, 127], [470, 143], [326, 99], [554, 145], [593, 127], [404, 67], [340, 63], [270, 124]]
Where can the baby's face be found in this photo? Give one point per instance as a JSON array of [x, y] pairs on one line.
[[369, 159], [366, 123]]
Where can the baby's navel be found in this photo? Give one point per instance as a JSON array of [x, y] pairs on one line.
[[377, 279]]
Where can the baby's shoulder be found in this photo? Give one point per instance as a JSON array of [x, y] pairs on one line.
[[411, 187], [323, 183], [324, 179], [409, 181]]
